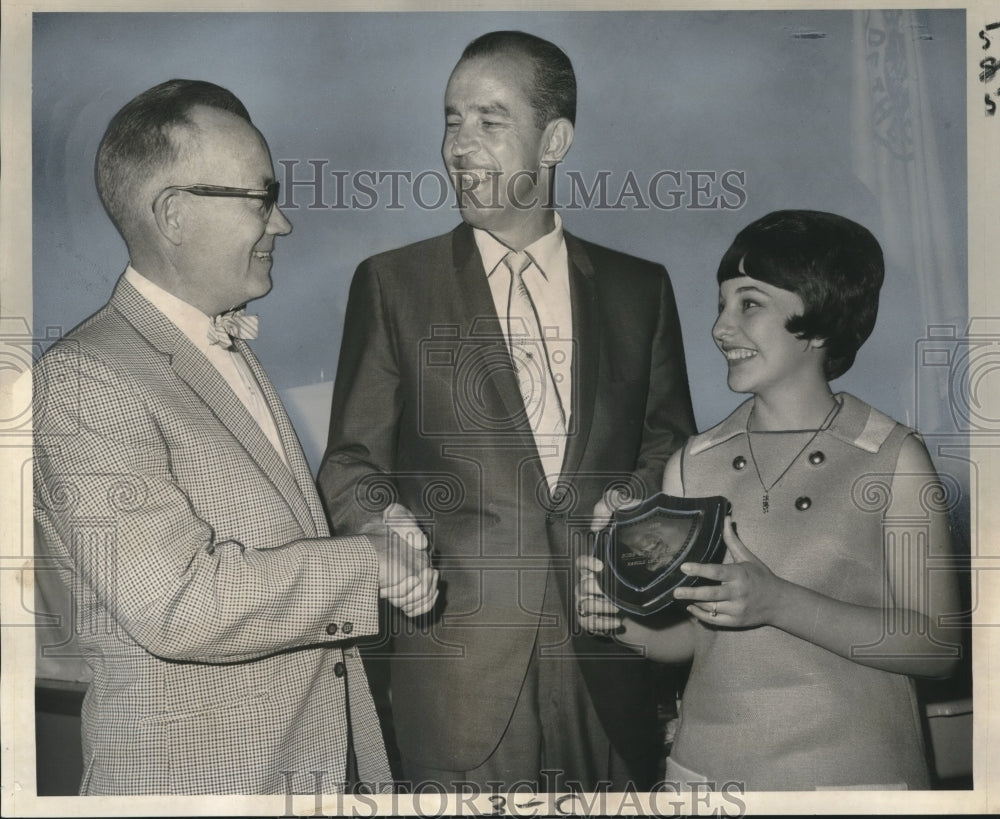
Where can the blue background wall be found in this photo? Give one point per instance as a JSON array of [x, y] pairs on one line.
[[775, 95]]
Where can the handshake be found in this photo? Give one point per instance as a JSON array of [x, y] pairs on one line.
[[405, 576]]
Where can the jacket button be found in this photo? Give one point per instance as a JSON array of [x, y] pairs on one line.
[[803, 503], [340, 669], [331, 629], [816, 458], [739, 462], [348, 627]]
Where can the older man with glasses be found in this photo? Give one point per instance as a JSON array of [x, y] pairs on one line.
[[216, 611]]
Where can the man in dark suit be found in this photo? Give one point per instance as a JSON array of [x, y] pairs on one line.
[[495, 381], [216, 611]]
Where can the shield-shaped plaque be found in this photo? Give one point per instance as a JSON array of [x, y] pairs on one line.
[[642, 549]]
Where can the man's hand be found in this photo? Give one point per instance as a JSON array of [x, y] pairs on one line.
[[595, 612], [405, 576], [611, 501], [400, 519]]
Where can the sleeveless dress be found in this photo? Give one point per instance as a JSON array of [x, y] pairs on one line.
[[765, 708]]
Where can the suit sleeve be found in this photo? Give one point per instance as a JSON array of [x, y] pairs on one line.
[[354, 477], [110, 506], [669, 419]]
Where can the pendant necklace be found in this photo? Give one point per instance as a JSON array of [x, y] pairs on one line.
[[764, 501]]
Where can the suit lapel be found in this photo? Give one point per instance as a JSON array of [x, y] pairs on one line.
[[316, 521], [192, 367], [476, 300], [587, 338]]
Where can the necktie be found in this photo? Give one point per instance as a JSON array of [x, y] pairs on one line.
[[534, 374], [234, 324]]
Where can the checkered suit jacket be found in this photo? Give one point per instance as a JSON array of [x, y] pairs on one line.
[[213, 606]]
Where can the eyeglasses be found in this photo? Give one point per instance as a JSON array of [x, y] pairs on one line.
[[268, 196]]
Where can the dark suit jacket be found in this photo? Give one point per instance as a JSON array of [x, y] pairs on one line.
[[426, 411]]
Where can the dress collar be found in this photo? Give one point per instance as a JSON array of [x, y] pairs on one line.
[[856, 424]]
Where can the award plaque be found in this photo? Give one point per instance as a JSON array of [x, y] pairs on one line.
[[643, 547]]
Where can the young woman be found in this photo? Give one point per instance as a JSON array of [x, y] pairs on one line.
[[828, 601]]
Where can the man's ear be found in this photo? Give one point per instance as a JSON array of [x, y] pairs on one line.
[[167, 211], [557, 138]]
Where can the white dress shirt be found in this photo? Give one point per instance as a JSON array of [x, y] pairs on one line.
[[547, 279], [229, 362]]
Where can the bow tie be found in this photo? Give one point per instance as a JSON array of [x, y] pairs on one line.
[[234, 324]]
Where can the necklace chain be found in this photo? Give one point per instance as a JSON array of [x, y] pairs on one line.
[[764, 501]]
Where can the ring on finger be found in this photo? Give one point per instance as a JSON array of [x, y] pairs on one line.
[[715, 609], [579, 608]]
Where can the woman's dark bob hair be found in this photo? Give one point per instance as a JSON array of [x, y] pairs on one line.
[[833, 264]]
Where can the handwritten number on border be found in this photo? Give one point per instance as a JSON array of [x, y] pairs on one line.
[[989, 66]]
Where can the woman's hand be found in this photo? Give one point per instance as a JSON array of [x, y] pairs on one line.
[[748, 593], [594, 612]]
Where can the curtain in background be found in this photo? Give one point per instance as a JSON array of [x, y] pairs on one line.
[[895, 155]]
